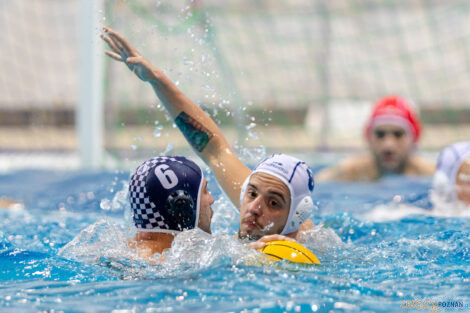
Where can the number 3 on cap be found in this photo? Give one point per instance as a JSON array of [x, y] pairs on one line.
[[167, 178]]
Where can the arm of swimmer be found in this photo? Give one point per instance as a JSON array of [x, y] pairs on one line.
[[328, 174], [355, 168], [198, 128], [419, 165], [339, 173], [205, 138]]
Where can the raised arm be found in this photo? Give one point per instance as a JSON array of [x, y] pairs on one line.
[[197, 127]]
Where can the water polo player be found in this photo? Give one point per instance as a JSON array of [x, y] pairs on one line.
[[167, 195], [452, 178], [276, 196], [392, 133]]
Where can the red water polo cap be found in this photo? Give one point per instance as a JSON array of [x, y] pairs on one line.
[[396, 111]]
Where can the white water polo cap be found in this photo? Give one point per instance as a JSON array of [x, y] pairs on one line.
[[298, 177], [448, 164], [164, 194]]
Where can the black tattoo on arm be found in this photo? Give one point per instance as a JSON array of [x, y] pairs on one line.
[[197, 135]]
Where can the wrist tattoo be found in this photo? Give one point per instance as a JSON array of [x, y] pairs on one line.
[[195, 133]]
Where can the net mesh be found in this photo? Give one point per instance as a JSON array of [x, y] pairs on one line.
[[267, 71]]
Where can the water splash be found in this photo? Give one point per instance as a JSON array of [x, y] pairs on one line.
[[392, 212], [398, 211], [5, 244], [168, 148], [119, 201], [249, 155], [267, 227], [104, 243], [157, 132], [442, 206], [195, 250], [225, 218], [105, 204], [320, 239], [99, 240]]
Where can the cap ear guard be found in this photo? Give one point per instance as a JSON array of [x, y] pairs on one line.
[[180, 205], [302, 212]]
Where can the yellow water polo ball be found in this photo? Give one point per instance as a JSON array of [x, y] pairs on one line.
[[288, 250]]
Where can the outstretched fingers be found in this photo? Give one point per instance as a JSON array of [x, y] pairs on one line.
[[114, 55], [121, 50], [110, 43], [120, 42], [134, 60]]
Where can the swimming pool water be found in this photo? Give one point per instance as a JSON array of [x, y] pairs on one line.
[[65, 251]]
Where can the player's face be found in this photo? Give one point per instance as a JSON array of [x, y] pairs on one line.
[[462, 182], [205, 210], [391, 146], [265, 207]]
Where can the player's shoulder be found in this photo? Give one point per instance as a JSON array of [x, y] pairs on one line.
[[420, 165], [359, 167]]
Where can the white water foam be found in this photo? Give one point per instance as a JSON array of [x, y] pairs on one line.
[[320, 239], [394, 212], [105, 244]]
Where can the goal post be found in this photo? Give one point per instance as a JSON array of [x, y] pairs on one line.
[[90, 109]]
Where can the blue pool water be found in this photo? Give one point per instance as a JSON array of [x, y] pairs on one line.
[[379, 245]]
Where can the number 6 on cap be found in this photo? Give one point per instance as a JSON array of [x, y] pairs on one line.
[[167, 178]]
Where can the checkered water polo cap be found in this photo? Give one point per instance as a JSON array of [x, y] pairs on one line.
[[164, 194], [298, 177], [448, 163], [397, 111]]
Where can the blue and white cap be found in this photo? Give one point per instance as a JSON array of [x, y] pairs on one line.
[[164, 194], [298, 177], [448, 165]]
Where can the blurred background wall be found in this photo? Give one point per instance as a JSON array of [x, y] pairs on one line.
[[297, 76]]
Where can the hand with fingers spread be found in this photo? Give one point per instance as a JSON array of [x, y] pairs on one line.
[[122, 51], [260, 243]]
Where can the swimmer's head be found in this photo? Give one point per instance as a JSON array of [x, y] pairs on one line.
[[392, 132], [394, 110], [168, 195], [276, 197], [452, 178]]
